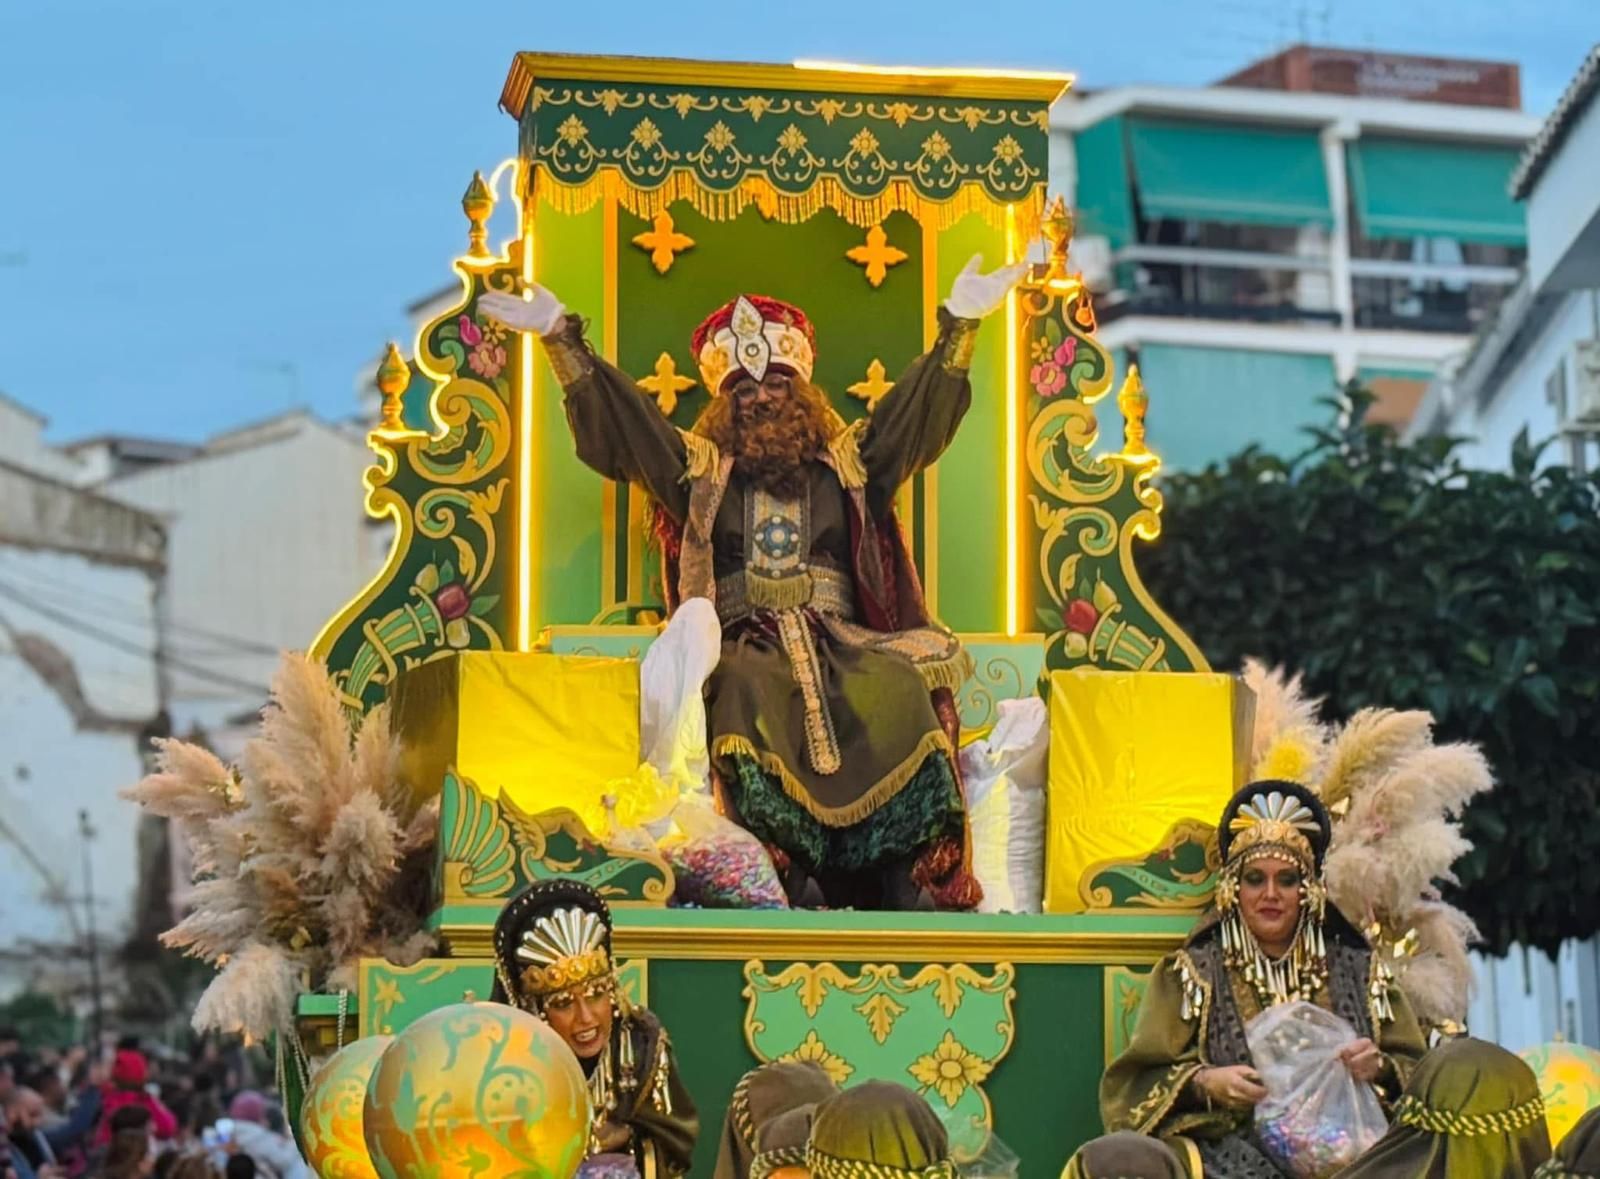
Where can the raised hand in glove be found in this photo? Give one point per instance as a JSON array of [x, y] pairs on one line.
[[974, 295], [542, 314]]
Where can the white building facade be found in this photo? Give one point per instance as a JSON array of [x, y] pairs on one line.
[[1536, 368], [267, 539], [81, 691], [1257, 248]]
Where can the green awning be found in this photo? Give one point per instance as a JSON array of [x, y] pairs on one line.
[[1223, 172], [1407, 188], [1104, 199]]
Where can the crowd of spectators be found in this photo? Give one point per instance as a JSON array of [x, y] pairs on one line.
[[125, 1112]]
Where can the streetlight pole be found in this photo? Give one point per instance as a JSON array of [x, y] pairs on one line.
[[97, 1018]]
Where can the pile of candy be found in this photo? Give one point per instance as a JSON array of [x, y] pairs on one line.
[[608, 1166], [725, 872], [1310, 1145]]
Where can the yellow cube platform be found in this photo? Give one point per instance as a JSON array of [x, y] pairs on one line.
[[543, 731], [1132, 754]]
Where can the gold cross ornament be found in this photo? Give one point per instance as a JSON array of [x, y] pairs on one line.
[[665, 384], [663, 241], [877, 255], [873, 388]]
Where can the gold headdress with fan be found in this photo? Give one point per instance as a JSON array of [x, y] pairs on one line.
[[1274, 824], [563, 949]]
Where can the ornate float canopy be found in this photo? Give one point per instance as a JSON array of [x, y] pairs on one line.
[[788, 139]]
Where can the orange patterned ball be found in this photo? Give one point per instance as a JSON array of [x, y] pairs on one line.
[[1569, 1082], [477, 1089], [331, 1112]]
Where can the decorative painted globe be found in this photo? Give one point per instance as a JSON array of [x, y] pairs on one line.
[[1569, 1082], [331, 1111], [477, 1089]]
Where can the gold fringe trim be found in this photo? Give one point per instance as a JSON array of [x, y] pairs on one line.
[[700, 454], [899, 196], [837, 816], [845, 450], [949, 673], [776, 593]]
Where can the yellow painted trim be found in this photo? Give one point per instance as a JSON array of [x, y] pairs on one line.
[[930, 477], [527, 441], [1013, 439], [862, 945], [811, 76], [608, 349]]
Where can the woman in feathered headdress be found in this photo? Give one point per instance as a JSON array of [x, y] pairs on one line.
[[552, 949], [1272, 937]]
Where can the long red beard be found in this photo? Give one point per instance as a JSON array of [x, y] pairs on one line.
[[772, 448]]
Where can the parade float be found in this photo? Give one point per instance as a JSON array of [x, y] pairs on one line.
[[503, 636]]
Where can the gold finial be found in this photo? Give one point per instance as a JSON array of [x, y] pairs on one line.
[[393, 377], [477, 203], [1133, 401], [1057, 228]]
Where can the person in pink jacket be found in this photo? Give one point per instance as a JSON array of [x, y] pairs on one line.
[[129, 1074]]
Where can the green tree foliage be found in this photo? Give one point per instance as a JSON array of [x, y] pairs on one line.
[[40, 1020], [1391, 575]]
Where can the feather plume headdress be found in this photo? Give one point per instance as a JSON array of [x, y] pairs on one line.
[[1395, 799]]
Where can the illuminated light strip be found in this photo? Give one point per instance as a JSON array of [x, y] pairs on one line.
[[1012, 548], [850, 67], [525, 441]]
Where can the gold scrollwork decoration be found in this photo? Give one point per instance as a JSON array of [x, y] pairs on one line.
[[791, 162], [720, 158], [864, 165]]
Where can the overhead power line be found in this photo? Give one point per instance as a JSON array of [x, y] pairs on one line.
[[104, 603], [89, 630]]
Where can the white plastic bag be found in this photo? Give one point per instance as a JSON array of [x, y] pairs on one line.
[[1005, 780], [717, 863], [1316, 1117], [672, 709]]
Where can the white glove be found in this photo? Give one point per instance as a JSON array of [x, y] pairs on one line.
[[541, 314], [974, 295]]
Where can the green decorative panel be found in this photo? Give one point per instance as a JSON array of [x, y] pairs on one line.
[[1002, 669], [941, 1031], [716, 138], [447, 584], [390, 998], [1179, 874], [1086, 511], [489, 850], [1125, 988]]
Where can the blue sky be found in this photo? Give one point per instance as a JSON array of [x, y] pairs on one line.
[[212, 211]]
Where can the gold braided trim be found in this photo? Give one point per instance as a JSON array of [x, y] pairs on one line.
[[844, 448], [938, 655], [822, 742], [827, 1166], [776, 1159], [960, 342], [837, 816], [700, 455], [570, 361], [1408, 1111], [898, 196]]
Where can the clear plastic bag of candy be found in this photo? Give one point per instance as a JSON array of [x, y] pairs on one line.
[[718, 864], [608, 1166], [1316, 1117]]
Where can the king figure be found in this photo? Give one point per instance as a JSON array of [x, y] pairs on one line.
[[831, 714]]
